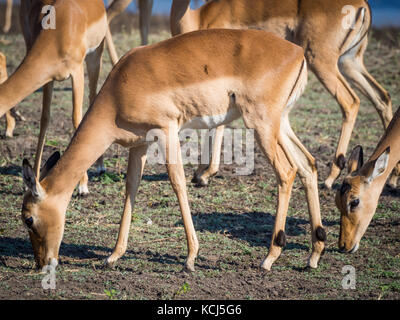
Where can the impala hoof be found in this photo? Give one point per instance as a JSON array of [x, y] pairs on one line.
[[199, 181], [189, 267], [83, 191], [266, 264]]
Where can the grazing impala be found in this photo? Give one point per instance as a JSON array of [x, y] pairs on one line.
[[358, 197], [177, 83], [8, 16], [57, 54], [334, 53], [118, 6]]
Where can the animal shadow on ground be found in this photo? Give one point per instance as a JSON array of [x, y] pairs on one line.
[[253, 227]]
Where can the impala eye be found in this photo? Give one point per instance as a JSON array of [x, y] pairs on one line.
[[354, 204], [29, 222]]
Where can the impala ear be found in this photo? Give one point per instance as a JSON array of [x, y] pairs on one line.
[[50, 163], [31, 181], [379, 165], [356, 159]]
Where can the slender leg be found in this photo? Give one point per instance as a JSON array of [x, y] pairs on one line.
[[307, 170], [10, 124], [328, 73], [286, 174], [111, 48], [177, 178], [353, 68], [137, 160], [78, 79], [8, 17], [145, 8], [93, 62], [44, 123], [205, 171]]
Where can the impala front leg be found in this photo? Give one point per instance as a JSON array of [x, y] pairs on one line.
[[78, 82], [10, 124], [44, 123], [137, 160], [176, 175], [94, 62]]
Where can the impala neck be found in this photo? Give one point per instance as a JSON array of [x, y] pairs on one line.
[[183, 19], [93, 137], [34, 72]]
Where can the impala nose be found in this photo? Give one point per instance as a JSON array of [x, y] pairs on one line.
[[342, 249]]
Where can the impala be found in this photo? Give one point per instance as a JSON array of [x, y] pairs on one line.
[[178, 83], [358, 196], [118, 6], [333, 53], [57, 54]]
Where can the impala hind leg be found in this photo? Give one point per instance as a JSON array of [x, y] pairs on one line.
[[177, 178], [353, 68], [205, 171], [44, 123], [93, 63], [78, 81], [328, 73], [285, 173], [136, 162], [307, 171]]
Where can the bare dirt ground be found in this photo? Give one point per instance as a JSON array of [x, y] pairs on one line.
[[233, 217]]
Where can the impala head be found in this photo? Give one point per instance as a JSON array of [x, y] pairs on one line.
[[358, 196], [41, 215]]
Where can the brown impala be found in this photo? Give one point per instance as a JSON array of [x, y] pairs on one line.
[[358, 197], [177, 83], [334, 52]]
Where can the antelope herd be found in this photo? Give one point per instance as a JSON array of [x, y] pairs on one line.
[[181, 82]]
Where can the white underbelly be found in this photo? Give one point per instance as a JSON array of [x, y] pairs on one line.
[[212, 121]]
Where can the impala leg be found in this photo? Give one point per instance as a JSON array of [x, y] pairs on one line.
[[44, 123], [307, 170], [336, 84], [353, 68], [8, 16], [78, 79], [205, 171], [177, 178], [111, 48], [267, 134], [93, 62], [136, 162], [145, 8], [10, 124], [285, 174]]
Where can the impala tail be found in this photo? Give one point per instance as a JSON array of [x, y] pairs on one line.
[[358, 30]]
